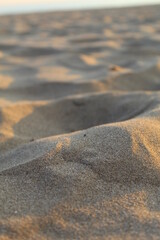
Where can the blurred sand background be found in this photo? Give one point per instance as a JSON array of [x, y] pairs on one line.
[[80, 125]]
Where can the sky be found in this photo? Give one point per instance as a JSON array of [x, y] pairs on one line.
[[20, 6]]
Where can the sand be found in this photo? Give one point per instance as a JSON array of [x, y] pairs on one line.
[[80, 125]]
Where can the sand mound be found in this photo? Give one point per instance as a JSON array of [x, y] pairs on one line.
[[79, 125]]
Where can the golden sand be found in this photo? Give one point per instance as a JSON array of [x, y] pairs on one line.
[[80, 125]]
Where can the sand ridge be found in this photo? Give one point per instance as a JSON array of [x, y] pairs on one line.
[[79, 125]]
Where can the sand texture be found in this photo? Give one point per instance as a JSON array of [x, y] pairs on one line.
[[80, 125]]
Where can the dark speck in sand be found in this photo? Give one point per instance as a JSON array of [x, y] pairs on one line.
[[78, 103], [115, 68]]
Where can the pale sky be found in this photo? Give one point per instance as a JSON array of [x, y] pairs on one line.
[[15, 6]]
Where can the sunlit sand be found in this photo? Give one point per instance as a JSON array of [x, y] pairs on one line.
[[80, 125]]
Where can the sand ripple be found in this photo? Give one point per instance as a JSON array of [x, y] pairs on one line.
[[80, 125]]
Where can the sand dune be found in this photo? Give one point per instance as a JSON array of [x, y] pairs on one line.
[[80, 125]]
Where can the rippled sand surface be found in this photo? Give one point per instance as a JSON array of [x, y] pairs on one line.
[[80, 125]]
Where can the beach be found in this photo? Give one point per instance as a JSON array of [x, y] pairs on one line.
[[80, 124]]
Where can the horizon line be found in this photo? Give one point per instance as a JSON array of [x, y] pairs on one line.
[[47, 9]]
